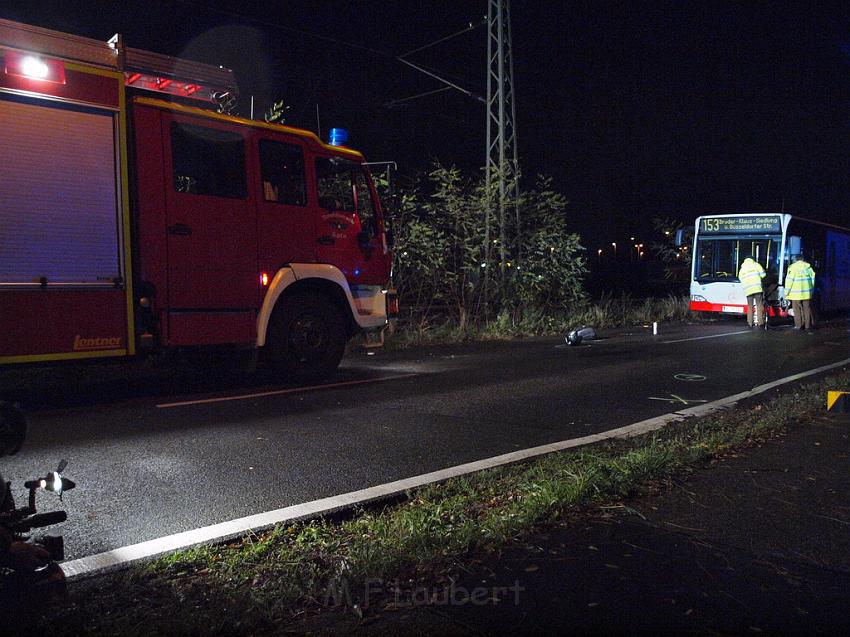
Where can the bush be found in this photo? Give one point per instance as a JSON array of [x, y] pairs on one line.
[[448, 256]]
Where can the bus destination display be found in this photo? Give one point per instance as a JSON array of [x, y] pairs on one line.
[[742, 224]]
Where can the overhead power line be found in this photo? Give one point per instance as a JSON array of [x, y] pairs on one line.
[[439, 78], [471, 27], [394, 103], [282, 27]]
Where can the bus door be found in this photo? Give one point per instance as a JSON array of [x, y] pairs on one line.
[[765, 250]]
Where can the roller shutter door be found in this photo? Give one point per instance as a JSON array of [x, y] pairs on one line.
[[58, 195]]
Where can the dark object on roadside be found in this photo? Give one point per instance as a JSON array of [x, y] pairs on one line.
[[583, 333], [30, 565], [13, 428]]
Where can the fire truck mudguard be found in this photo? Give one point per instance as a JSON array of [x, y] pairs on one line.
[[364, 306]]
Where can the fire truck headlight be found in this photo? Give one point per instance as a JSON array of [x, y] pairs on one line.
[[33, 67]]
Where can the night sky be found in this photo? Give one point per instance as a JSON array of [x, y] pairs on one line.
[[637, 109]]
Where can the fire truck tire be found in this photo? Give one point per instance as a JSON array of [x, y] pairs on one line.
[[307, 337]]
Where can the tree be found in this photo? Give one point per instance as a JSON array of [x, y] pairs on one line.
[[444, 255], [550, 274], [676, 258], [277, 113]]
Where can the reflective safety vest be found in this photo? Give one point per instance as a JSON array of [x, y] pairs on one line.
[[750, 275], [799, 281]]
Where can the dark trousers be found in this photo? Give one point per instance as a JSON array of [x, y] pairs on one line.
[[802, 314], [755, 316]]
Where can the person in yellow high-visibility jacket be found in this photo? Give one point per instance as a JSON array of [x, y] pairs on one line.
[[750, 274], [799, 288]]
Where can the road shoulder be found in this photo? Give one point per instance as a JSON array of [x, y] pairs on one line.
[[755, 542]]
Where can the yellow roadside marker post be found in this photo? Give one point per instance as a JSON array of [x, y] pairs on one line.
[[838, 401]]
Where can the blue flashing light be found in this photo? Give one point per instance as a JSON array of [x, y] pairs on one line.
[[337, 136]]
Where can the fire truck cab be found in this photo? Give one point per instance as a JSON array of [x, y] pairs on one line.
[[134, 215]]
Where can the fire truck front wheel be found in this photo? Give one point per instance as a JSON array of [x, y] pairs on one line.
[[307, 337]]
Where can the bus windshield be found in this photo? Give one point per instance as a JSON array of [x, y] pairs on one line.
[[719, 259]]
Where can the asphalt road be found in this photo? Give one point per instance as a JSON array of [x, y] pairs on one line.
[[150, 460]]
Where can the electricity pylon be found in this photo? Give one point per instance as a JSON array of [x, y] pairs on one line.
[[502, 161], [502, 157]]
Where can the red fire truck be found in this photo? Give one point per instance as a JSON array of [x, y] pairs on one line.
[[135, 214]]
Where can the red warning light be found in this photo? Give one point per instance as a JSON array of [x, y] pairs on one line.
[[170, 86]]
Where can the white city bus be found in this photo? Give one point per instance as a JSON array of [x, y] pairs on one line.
[[722, 242]]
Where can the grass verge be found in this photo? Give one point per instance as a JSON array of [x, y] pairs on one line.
[[608, 311], [256, 585]]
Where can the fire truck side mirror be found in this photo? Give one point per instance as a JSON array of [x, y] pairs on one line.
[[393, 203]]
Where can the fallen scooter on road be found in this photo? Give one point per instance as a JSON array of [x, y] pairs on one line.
[[580, 334], [28, 564]]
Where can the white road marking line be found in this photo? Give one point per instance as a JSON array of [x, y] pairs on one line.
[[678, 399], [681, 340], [699, 338], [117, 558], [690, 378], [277, 392]]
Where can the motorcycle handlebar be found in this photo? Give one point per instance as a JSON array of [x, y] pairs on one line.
[[39, 520]]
